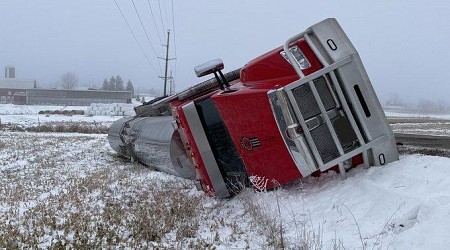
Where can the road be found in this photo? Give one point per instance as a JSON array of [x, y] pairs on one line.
[[424, 144]]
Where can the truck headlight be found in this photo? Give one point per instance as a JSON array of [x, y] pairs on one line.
[[298, 55]]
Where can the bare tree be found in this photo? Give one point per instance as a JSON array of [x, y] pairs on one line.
[[69, 80]]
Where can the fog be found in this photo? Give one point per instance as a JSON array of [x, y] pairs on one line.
[[403, 44]]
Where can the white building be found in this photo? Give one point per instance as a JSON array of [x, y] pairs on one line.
[[10, 87]]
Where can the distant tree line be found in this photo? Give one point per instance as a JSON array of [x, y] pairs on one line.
[[117, 84], [426, 105]]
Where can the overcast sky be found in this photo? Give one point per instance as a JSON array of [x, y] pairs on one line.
[[404, 45]]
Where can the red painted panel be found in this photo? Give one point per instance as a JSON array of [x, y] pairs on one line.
[[271, 70], [248, 116]]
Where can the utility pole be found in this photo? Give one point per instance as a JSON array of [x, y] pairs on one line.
[[167, 62], [165, 77]]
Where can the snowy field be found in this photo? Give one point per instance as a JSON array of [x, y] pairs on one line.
[[399, 113], [421, 126], [71, 190], [27, 115], [402, 121], [415, 122]]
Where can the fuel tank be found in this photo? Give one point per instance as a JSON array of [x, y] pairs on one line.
[[152, 141]]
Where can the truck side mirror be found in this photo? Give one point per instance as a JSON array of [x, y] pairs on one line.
[[212, 67], [209, 67]]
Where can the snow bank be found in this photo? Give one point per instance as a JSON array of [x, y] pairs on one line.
[[12, 109], [27, 115], [114, 109], [403, 205]]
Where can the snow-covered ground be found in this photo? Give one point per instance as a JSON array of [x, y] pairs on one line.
[[56, 184], [71, 190], [424, 127], [404, 205], [12, 109], [404, 113], [28, 115]]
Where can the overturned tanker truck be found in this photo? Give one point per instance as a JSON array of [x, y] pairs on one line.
[[297, 110]]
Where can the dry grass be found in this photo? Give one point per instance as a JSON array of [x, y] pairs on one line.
[[134, 220], [267, 224], [70, 191], [407, 149], [60, 127], [61, 112], [71, 127], [268, 220], [57, 194]]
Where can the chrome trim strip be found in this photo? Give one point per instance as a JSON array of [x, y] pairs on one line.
[[290, 56], [305, 129], [301, 141], [297, 147], [204, 148]]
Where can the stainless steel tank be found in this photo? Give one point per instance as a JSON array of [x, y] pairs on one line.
[[152, 141]]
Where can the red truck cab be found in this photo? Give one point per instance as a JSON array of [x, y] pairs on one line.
[[243, 131]]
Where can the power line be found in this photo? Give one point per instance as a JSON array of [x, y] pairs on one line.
[[132, 33], [165, 12], [174, 39], [160, 15], [173, 28], [154, 22], [145, 31]]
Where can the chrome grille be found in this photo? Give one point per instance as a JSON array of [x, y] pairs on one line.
[[306, 101], [324, 143]]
